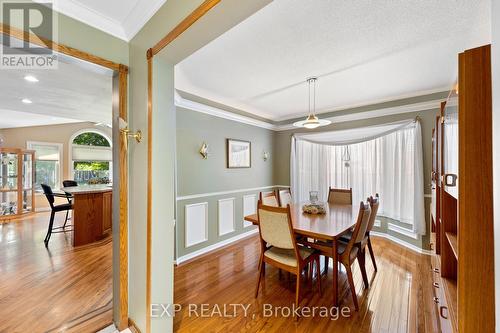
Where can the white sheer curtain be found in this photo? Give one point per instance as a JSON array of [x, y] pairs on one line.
[[385, 159]]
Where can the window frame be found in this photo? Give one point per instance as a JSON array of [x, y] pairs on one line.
[[70, 149], [30, 144]]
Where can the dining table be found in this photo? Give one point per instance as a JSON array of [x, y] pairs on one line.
[[337, 220]]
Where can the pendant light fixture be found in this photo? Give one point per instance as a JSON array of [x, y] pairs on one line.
[[312, 121]]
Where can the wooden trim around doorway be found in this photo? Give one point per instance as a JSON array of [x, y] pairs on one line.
[[150, 192], [194, 16], [122, 70], [67, 50]]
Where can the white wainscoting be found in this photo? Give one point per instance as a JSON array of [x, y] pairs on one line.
[[196, 223], [249, 207], [226, 216]]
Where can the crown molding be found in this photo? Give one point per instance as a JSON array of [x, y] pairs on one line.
[[87, 15], [423, 106], [320, 113], [134, 21], [138, 16], [217, 112]]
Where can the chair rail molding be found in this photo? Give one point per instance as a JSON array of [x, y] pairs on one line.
[[212, 194]]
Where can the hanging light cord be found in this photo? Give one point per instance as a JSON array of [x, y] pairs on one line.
[[314, 97]]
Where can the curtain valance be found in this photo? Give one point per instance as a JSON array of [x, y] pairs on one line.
[[354, 135]]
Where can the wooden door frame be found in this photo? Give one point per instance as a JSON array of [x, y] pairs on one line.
[[187, 22], [122, 71]]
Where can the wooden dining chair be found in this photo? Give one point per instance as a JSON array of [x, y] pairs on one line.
[[269, 198], [279, 247], [348, 252], [340, 196], [366, 241], [285, 197], [47, 190]]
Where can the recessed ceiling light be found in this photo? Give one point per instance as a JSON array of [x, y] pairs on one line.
[[26, 101], [30, 78]]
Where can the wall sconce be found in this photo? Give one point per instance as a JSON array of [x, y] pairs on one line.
[[265, 156], [204, 151], [124, 130]]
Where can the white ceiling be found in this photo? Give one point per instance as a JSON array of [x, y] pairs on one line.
[[14, 119], [120, 18], [363, 52], [75, 91]]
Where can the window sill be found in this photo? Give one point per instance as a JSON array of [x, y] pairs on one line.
[[402, 231]]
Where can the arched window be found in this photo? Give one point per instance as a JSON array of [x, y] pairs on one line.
[[91, 158]]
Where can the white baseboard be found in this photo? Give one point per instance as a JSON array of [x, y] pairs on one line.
[[215, 246], [228, 241], [401, 242]]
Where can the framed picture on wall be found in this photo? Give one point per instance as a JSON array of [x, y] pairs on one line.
[[238, 153]]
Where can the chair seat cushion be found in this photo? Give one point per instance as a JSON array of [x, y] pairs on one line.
[[347, 237], [287, 256], [341, 247]]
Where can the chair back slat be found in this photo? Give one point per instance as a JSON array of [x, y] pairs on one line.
[[374, 203], [285, 197], [361, 225], [275, 226], [269, 199], [47, 190], [340, 196]]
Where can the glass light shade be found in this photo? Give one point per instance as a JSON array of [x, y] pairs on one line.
[[312, 122]]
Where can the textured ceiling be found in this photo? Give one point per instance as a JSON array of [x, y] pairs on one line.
[[363, 52]]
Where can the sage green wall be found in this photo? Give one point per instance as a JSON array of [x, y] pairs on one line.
[[83, 37], [196, 175], [218, 20], [165, 19], [282, 159]]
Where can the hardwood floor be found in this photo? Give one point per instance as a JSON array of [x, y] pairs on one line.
[[399, 298], [59, 289]]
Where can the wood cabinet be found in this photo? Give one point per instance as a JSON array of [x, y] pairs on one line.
[[92, 213], [17, 182], [462, 201]]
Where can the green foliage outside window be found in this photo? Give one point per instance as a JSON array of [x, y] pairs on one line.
[[91, 166], [91, 139]]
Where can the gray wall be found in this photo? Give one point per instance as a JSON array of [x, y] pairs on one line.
[[162, 137], [196, 175], [283, 141], [85, 38]]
